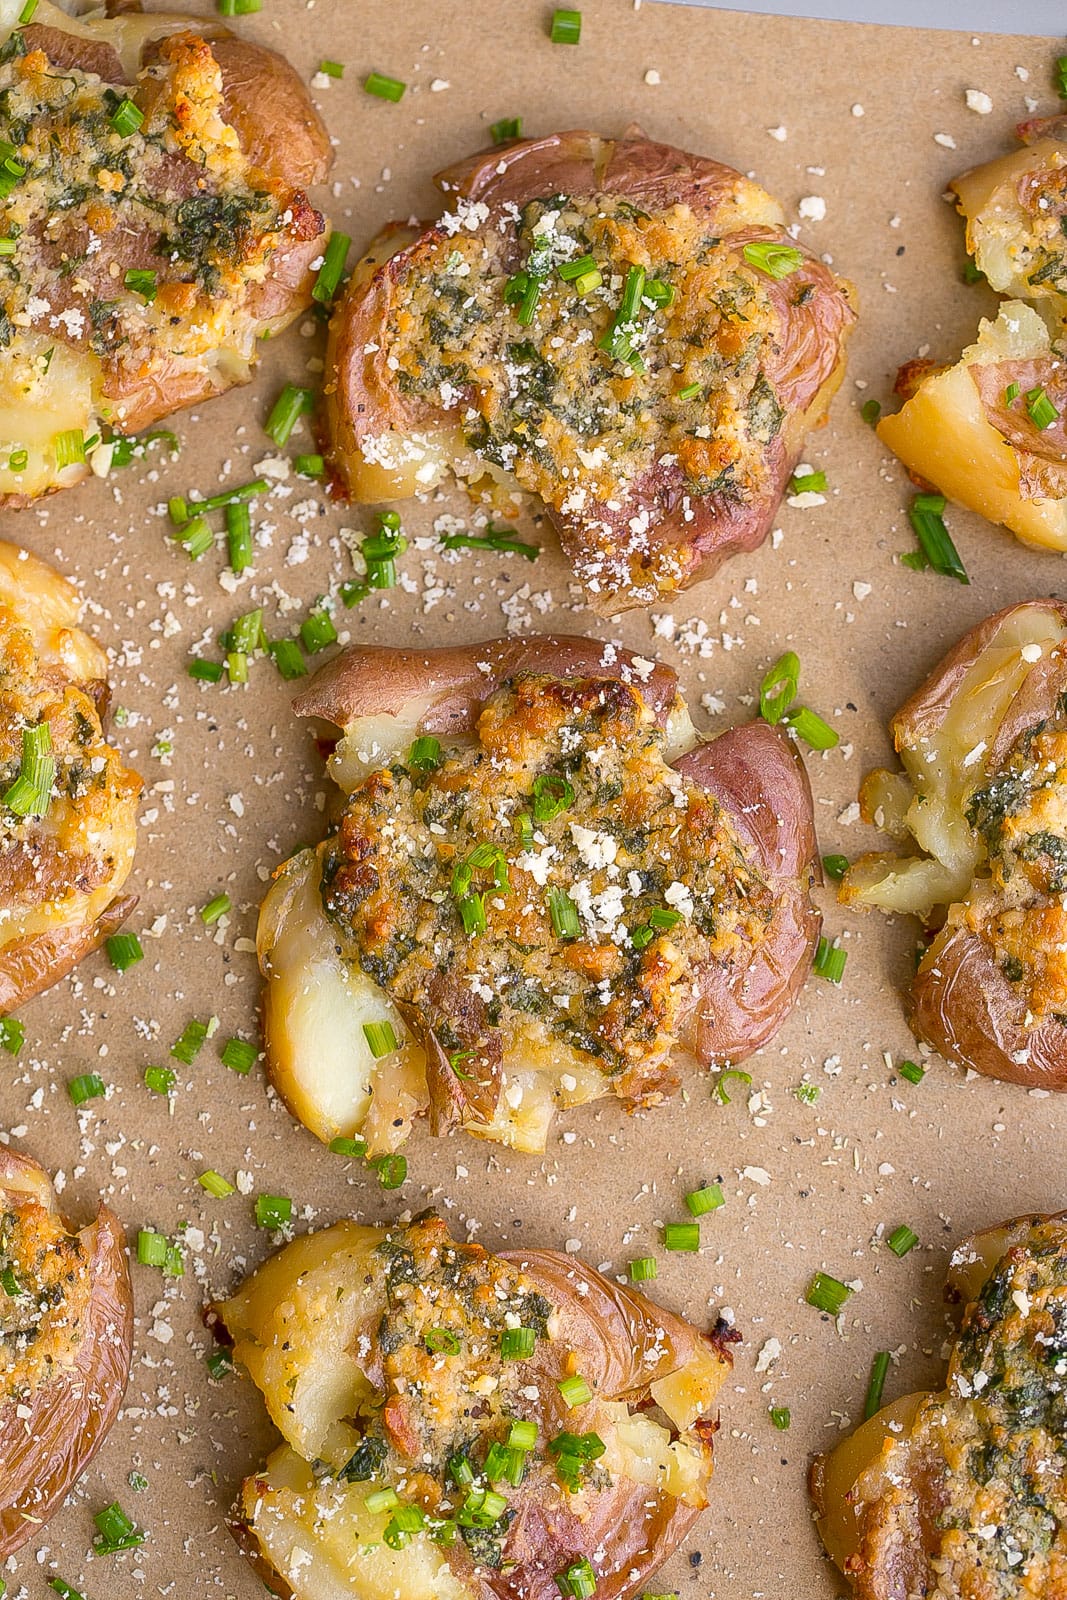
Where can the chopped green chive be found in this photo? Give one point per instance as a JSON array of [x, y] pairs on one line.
[[12, 1035], [569, 270], [383, 87], [273, 1211], [127, 117], [219, 1364], [806, 483], [196, 538], [912, 1071], [124, 950], [870, 411], [237, 666], [499, 542], [405, 1521], [215, 1184], [504, 1465], [732, 1074], [564, 914], [681, 1236], [810, 727], [522, 1435], [392, 1170], [179, 509], [643, 1270], [879, 1370], [425, 753], [88, 1086], [566, 28], [690, 391], [138, 1481], [239, 8], [552, 793], [188, 1045], [285, 653], [781, 1417], [290, 406], [505, 130], [354, 1149], [317, 632], [333, 266], [835, 867], [578, 1581], [776, 260], [574, 1391], [380, 1500], [517, 1344], [1011, 394], [18, 460], [807, 1093], [215, 909], [27, 12], [827, 1294], [160, 1080], [472, 914], [115, 1531], [1039, 408], [151, 1248], [332, 69], [901, 1240], [617, 339], [239, 536], [380, 1037], [779, 687], [143, 283], [442, 1341], [311, 466], [10, 1283], [460, 1470], [701, 1201], [64, 1590], [829, 961], [69, 447], [205, 671], [935, 544]]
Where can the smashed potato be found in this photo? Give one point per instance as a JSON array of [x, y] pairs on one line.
[[154, 194], [459, 1426], [983, 797], [545, 900], [701, 345], [963, 1493], [990, 432], [66, 1328], [66, 847]]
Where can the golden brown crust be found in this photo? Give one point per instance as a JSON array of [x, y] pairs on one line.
[[671, 499], [55, 1416]]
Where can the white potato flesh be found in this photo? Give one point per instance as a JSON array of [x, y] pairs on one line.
[[327, 1546], [841, 1470], [999, 230], [944, 769], [369, 743], [640, 1449], [42, 397], [691, 1391], [943, 435], [294, 1324], [315, 1006]]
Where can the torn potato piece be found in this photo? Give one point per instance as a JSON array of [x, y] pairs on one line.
[[435, 1443], [984, 747], [160, 227], [701, 345], [540, 907], [66, 1328], [961, 1493], [67, 841], [968, 431]]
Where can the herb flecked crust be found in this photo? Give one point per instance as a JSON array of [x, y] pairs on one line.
[[176, 198], [974, 1500], [1021, 814], [44, 1297], [564, 792]]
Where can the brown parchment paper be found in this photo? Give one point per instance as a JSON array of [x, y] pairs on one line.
[[872, 122]]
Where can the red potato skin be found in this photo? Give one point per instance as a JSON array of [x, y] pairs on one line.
[[71, 1415], [262, 93], [757, 776], [753, 771], [961, 1002], [30, 966], [369, 680], [362, 400]]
